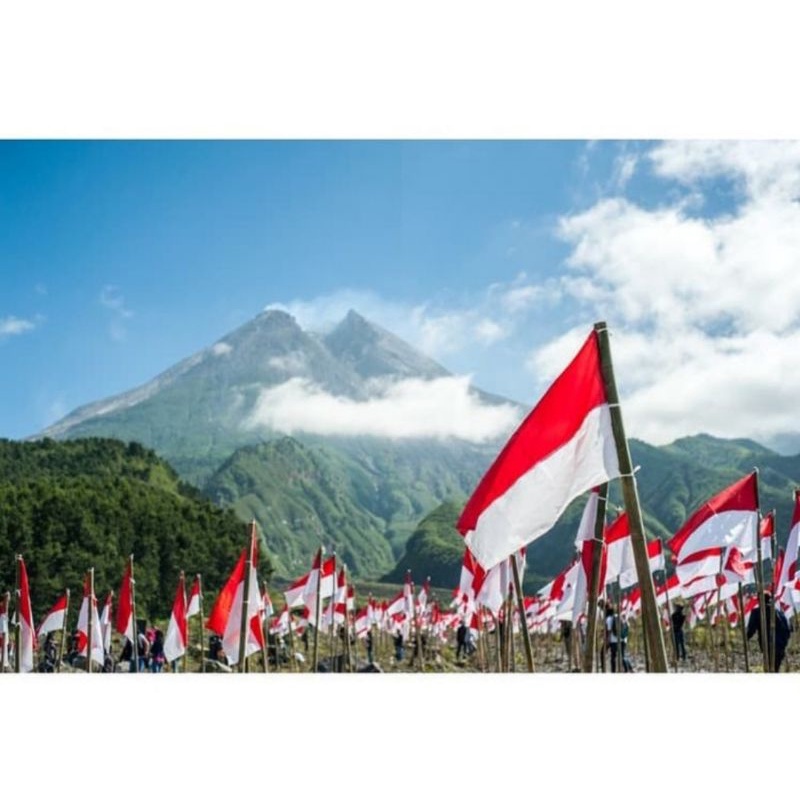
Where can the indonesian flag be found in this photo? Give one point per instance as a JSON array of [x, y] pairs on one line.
[[226, 616], [106, 626], [583, 575], [562, 449], [54, 621], [730, 518], [766, 532], [408, 596], [89, 606], [655, 558], [195, 598], [25, 614], [125, 623], [787, 574], [472, 578], [397, 605], [280, 625], [303, 592], [619, 551], [422, 597], [266, 602], [177, 630]]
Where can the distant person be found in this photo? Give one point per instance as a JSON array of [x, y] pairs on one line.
[[143, 651], [678, 619], [157, 657], [612, 635], [566, 638], [461, 640], [369, 643], [623, 645], [399, 651], [782, 629]]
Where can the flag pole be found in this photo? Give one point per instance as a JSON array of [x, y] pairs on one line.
[[762, 615], [650, 617], [63, 635], [18, 626], [186, 649], [90, 619], [774, 552], [348, 649], [332, 647], [417, 636], [265, 630], [315, 659], [594, 585], [246, 599], [135, 621], [526, 634], [202, 630]]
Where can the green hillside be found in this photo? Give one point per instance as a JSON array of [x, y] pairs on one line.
[[70, 506]]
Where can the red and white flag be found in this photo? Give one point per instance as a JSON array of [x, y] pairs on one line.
[[27, 639], [619, 551], [177, 637], [562, 449], [54, 620], [125, 621], [787, 575], [730, 518], [89, 606], [195, 598], [303, 592], [655, 558], [226, 616]]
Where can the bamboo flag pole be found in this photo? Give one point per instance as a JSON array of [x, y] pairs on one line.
[[246, 599], [90, 620], [594, 585], [348, 647], [17, 626], [202, 629], [63, 635], [315, 655], [417, 635], [135, 642], [332, 646], [526, 634], [265, 632], [652, 626], [774, 552], [508, 644]]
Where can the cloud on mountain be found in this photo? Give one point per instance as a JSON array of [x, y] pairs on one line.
[[407, 409]]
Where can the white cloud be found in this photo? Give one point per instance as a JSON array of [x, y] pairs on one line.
[[14, 326], [114, 302], [291, 362], [704, 311], [407, 409], [222, 349]]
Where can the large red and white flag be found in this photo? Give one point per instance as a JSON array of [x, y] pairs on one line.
[[195, 598], [25, 617], [177, 637], [563, 448], [54, 620], [125, 621], [106, 625], [226, 616], [728, 519], [89, 606], [619, 551]]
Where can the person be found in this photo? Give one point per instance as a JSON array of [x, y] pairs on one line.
[[469, 645], [127, 655], [369, 643], [143, 648], [461, 640], [678, 619], [566, 638], [50, 654], [398, 646], [157, 657], [623, 645], [782, 629], [612, 634]]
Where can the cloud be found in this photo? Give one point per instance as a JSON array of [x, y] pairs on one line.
[[290, 362], [222, 349], [14, 326], [114, 302], [408, 409], [703, 308]]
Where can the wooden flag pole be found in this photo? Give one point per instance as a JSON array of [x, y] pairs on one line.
[[347, 647], [332, 644], [315, 655], [498, 642], [202, 629], [246, 599], [652, 626], [417, 636], [63, 635], [18, 626], [90, 619], [508, 650], [526, 634], [594, 584], [135, 642], [744, 631], [774, 550], [265, 633]]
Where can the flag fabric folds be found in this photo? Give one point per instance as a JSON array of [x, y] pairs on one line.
[[125, 621], [25, 616], [563, 448], [177, 630], [54, 619]]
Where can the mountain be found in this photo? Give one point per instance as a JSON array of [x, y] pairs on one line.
[[70, 506]]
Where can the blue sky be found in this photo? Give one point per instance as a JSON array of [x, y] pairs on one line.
[[495, 257]]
